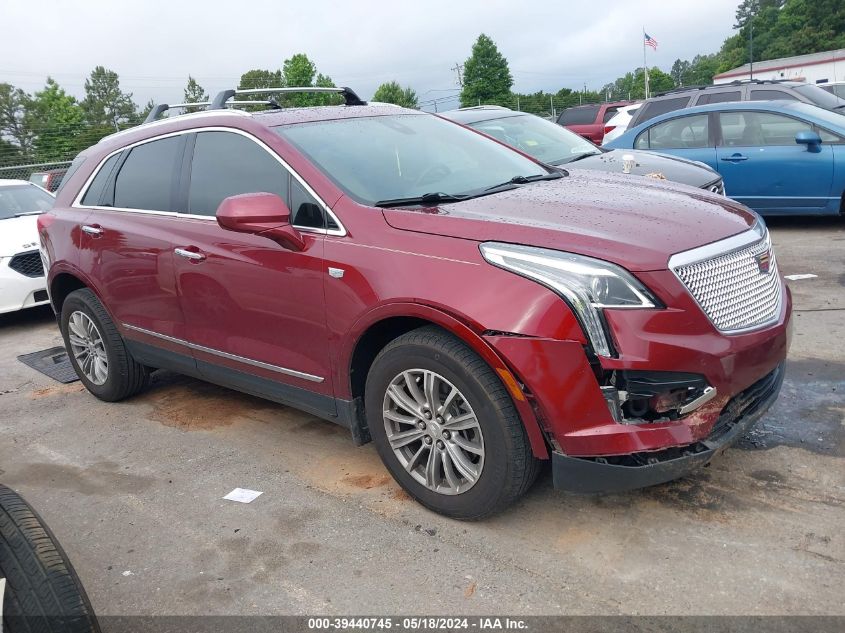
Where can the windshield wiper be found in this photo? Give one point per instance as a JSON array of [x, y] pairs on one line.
[[522, 180], [20, 215], [577, 157], [426, 198]]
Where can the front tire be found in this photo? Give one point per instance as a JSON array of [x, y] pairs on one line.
[[445, 426], [97, 350]]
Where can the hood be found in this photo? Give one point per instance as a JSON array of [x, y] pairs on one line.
[[636, 223], [18, 235], [675, 169]]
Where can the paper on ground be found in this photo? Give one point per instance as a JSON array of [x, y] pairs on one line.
[[243, 495], [803, 276]]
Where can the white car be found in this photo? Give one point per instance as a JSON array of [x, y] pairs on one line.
[[618, 123], [22, 282]]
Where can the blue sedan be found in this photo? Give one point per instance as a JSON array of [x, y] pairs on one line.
[[777, 157]]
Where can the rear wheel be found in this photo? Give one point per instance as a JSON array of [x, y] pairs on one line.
[[445, 426], [42, 590], [97, 351]]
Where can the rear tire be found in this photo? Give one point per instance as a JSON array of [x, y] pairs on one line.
[[43, 592], [498, 466], [89, 333]]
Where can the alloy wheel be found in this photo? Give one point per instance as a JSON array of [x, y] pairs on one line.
[[433, 431], [88, 347]]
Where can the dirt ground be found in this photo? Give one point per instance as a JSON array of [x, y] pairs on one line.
[[133, 491]]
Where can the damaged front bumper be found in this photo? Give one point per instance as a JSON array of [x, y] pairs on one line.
[[638, 470]]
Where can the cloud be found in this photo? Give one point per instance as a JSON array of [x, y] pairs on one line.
[[153, 45]]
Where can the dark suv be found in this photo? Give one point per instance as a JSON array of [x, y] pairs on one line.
[[470, 310], [749, 90]]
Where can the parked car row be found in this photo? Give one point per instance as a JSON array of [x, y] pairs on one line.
[[22, 283], [472, 310], [776, 144]]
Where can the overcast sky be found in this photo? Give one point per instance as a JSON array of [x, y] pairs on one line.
[[154, 44]]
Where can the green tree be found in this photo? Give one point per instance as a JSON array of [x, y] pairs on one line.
[[680, 72], [10, 154], [194, 93], [392, 92], [57, 121], [487, 78], [300, 72], [13, 107], [105, 105]]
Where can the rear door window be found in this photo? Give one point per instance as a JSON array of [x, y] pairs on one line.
[[661, 106], [582, 115], [227, 164], [719, 97], [147, 180]]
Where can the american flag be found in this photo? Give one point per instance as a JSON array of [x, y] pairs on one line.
[[650, 41]]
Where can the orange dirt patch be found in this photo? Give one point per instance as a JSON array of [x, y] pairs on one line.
[[193, 405], [57, 390]]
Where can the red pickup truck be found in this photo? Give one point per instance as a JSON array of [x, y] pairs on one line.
[[588, 120]]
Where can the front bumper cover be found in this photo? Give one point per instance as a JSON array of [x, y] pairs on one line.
[[638, 470]]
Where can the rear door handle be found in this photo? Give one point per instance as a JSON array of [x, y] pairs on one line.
[[188, 254], [92, 229], [735, 158]]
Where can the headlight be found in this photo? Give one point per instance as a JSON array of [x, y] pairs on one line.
[[587, 284]]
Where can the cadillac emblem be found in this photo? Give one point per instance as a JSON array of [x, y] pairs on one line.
[[764, 262]]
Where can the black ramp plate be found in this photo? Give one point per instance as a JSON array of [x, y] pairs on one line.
[[51, 362]]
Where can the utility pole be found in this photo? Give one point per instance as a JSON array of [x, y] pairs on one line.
[[751, 47], [459, 70]]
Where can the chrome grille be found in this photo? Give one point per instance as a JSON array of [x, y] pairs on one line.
[[733, 289]]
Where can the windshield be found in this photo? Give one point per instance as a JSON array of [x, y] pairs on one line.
[[406, 156], [21, 199], [820, 97], [544, 140]]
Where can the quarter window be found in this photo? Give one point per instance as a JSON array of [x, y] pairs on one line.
[[93, 196], [304, 209], [226, 164], [147, 178], [750, 129], [681, 133]]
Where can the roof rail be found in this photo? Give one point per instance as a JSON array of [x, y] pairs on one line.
[[349, 96], [163, 107]]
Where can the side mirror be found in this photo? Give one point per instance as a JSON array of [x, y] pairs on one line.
[[810, 139], [264, 214]]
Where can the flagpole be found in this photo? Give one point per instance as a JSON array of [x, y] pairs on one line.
[[645, 66]]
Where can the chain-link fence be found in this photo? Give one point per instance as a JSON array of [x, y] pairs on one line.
[[47, 175]]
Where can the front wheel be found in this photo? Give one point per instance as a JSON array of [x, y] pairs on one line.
[[445, 427]]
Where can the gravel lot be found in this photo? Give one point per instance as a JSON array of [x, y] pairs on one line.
[[133, 492]]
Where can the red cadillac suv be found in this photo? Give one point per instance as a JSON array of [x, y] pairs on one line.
[[471, 311]]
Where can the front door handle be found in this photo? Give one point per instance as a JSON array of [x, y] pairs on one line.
[[734, 158], [92, 229], [194, 256]]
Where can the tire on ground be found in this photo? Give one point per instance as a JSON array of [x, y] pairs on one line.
[[509, 464], [126, 376], [43, 592]]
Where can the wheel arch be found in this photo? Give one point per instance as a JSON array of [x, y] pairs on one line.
[[373, 332], [61, 285]]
